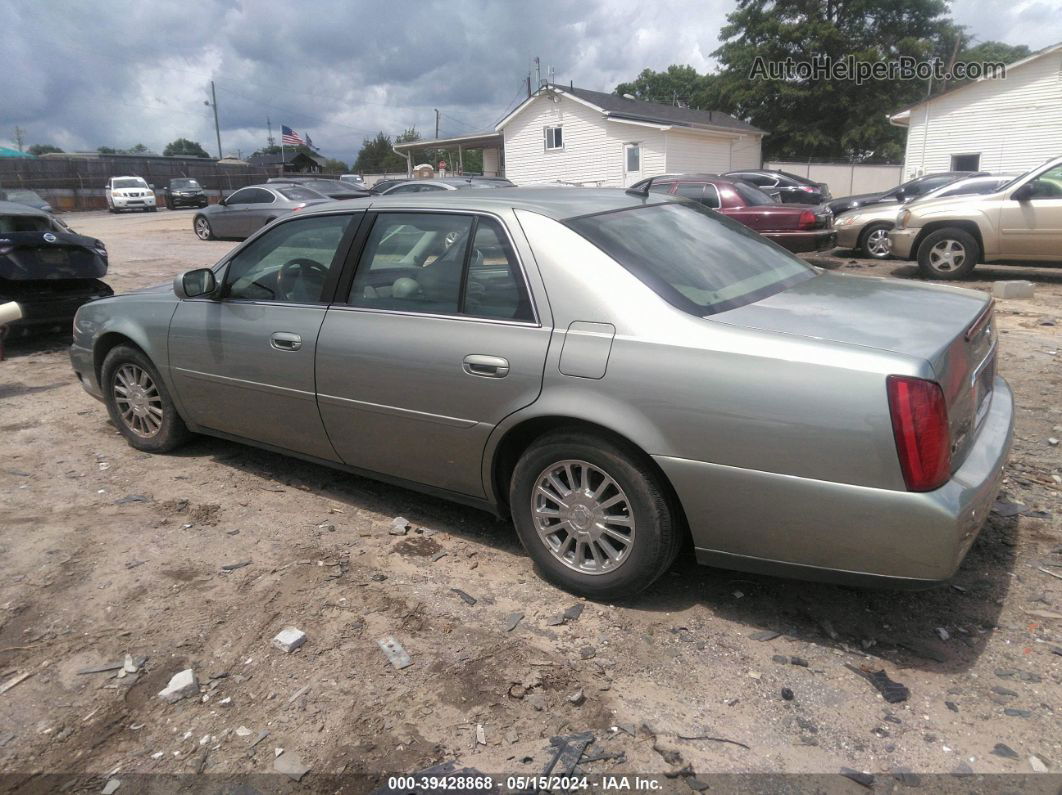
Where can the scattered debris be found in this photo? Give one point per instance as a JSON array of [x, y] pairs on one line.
[[398, 656], [1044, 613], [1015, 712], [481, 734], [1015, 288], [893, 692], [943, 633], [103, 668], [243, 731], [787, 694], [952, 706], [1037, 764], [289, 639], [132, 498], [798, 661], [573, 612], [467, 598], [577, 698], [290, 765], [234, 566], [827, 627], [512, 620], [110, 787], [131, 666], [862, 779], [764, 634], [570, 749], [10, 683], [261, 736], [691, 737], [181, 685], [300, 692], [400, 526], [1004, 750]]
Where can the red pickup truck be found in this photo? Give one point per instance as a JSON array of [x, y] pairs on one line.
[[797, 227]]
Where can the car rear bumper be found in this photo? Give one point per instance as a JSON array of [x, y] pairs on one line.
[[813, 529], [803, 242], [901, 242], [85, 370]]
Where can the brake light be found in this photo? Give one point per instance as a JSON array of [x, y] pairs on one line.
[[807, 220], [297, 207], [807, 188], [920, 427]]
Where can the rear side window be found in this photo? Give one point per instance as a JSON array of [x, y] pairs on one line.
[[299, 194], [697, 260]]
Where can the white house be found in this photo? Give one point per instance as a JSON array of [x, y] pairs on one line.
[[998, 125], [563, 134]]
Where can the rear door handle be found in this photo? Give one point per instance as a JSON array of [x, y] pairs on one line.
[[285, 341], [485, 366]]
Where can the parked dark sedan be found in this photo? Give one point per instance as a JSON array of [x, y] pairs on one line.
[[46, 267], [244, 212], [798, 228], [332, 188], [906, 192], [789, 188], [184, 192]]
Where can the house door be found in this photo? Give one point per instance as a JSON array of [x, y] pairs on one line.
[[632, 164]]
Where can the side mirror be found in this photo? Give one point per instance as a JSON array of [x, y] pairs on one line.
[[1024, 193], [195, 283], [222, 201]]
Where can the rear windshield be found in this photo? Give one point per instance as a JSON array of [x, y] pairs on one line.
[[185, 183], [695, 259], [300, 194], [23, 223], [754, 197]]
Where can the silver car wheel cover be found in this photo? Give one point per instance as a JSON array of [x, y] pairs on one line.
[[947, 255], [138, 400], [583, 517], [202, 228], [878, 242]]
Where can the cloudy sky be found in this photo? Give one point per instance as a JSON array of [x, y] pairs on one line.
[[115, 73]]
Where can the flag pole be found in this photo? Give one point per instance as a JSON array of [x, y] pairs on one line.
[[283, 159]]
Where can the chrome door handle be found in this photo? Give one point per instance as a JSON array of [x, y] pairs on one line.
[[485, 366], [283, 341]]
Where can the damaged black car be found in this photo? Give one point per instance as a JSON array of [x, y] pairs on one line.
[[46, 267]]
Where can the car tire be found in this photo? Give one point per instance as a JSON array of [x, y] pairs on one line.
[[153, 209], [948, 254], [139, 402], [874, 241], [635, 505], [201, 227]]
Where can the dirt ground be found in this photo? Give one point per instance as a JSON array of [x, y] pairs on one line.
[[105, 552]]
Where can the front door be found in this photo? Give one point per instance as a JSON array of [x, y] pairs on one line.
[[435, 343], [243, 363], [1033, 227], [632, 164]]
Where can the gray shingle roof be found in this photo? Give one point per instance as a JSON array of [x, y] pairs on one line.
[[639, 110]]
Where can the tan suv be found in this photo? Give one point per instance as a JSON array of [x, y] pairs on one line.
[[1022, 221]]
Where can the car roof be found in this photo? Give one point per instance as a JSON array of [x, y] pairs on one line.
[[556, 203], [15, 208]]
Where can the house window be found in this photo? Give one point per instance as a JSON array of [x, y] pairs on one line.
[[554, 138], [965, 162], [634, 158]]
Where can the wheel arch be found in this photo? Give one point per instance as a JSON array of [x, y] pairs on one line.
[[107, 342], [970, 227]]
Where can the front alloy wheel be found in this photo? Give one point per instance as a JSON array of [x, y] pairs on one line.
[[138, 400], [202, 228], [949, 253], [876, 242]]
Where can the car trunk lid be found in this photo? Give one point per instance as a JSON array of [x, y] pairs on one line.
[[953, 329]]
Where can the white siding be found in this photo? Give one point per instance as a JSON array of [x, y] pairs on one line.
[[1014, 123], [593, 151]]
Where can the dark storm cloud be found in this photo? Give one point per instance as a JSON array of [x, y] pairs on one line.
[[115, 73]]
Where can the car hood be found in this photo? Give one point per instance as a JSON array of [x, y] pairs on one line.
[[29, 256], [129, 191], [913, 319]]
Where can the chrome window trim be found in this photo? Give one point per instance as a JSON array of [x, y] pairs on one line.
[[403, 313], [536, 318], [718, 197]]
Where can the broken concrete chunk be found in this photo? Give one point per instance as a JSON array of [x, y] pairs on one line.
[[290, 765], [243, 731], [1004, 750], [764, 634], [573, 612], [1018, 288], [398, 656], [467, 598], [1037, 764], [181, 685], [289, 639], [577, 698], [512, 620], [111, 787], [400, 526], [234, 566]]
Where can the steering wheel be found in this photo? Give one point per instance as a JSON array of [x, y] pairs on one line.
[[301, 275]]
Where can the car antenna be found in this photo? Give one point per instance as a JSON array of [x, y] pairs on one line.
[[644, 190]]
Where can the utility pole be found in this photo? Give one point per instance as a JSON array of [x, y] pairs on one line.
[[436, 123], [217, 127], [269, 138], [18, 134]]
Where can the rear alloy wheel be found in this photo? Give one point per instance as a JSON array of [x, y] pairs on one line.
[[592, 516], [202, 228], [948, 254], [874, 241], [138, 402]]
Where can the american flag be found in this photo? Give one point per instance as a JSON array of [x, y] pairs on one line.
[[289, 137]]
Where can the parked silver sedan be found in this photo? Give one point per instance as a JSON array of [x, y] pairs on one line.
[[247, 210], [617, 371]]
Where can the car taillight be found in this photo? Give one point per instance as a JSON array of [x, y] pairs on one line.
[[297, 207], [807, 188], [807, 220], [920, 426]]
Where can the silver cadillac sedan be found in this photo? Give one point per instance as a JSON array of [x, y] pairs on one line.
[[617, 371]]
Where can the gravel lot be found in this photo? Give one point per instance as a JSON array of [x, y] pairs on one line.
[[108, 552]]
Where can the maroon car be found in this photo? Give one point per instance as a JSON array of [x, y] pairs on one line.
[[797, 227]]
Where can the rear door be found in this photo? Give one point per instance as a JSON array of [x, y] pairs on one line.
[[434, 341]]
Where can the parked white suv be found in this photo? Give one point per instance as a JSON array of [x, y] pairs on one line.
[[129, 193]]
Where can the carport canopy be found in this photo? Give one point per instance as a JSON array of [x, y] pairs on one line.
[[492, 142]]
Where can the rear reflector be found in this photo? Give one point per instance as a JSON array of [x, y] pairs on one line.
[[920, 425]]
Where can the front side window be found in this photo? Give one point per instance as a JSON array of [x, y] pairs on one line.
[[244, 196], [440, 264], [290, 263], [554, 138], [1048, 185], [697, 260]]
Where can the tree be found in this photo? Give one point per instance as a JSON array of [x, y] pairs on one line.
[[44, 149], [677, 84], [182, 147], [106, 150], [377, 157], [333, 166], [137, 149]]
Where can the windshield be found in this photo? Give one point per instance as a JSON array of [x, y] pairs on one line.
[[300, 194], [693, 258], [754, 197], [23, 196], [964, 187], [185, 184], [131, 182]]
